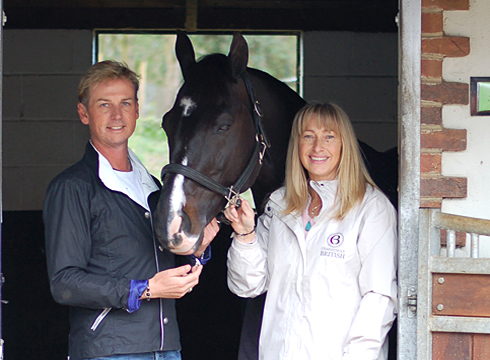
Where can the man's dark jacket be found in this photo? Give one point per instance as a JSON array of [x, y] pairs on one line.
[[97, 240]]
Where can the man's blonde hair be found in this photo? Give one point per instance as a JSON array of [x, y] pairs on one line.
[[352, 174], [103, 71]]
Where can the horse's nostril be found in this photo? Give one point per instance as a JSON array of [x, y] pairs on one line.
[[177, 240]]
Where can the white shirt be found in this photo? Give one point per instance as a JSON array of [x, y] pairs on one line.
[[331, 294], [113, 179]]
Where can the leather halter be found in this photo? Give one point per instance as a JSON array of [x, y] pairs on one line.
[[231, 193]]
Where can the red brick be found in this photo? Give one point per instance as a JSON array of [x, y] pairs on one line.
[[446, 4], [447, 46], [445, 93], [460, 238], [432, 23], [432, 69], [446, 139], [430, 163], [431, 115], [432, 203], [445, 187]]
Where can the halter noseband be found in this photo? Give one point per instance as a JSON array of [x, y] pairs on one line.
[[231, 193]]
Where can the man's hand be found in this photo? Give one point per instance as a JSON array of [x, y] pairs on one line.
[[174, 283]]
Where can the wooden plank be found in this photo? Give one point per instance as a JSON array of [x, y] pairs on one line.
[[452, 346], [461, 295], [481, 346], [236, 4], [191, 16], [96, 3], [209, 19]]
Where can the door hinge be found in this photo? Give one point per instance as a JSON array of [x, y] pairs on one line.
[[412, 302]]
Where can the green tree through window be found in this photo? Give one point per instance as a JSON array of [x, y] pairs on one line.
[[153, 57]]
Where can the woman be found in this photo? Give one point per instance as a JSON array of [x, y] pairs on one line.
[[324, 249]]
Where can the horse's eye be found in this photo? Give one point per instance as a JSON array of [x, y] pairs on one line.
[[223, 128]]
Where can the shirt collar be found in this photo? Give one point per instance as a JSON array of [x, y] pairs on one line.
[[111, 181]]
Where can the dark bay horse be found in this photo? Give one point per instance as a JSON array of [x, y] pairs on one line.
[[217, 133], [217, 128]]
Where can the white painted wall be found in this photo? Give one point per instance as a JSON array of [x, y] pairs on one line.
[[474, 162]]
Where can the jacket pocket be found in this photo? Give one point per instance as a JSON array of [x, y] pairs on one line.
[[99, 318]]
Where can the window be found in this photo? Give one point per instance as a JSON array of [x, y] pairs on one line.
[[152, 56]]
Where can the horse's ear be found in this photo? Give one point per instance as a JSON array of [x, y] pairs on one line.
[[238, 55], [185, 53]]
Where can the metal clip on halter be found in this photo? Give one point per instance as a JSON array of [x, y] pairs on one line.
[[258, 108], [260, 138], [233, 198]]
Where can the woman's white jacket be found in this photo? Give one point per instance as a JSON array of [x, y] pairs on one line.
[[331, 294]]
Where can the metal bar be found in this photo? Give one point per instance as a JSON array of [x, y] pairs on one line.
[[424, 300], [451, 243], [459, 265], [2, 23], [461, 223], [470, 325], [475, 246], [409, 20]]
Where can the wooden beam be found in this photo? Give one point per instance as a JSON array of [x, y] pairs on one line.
[[191, 15]]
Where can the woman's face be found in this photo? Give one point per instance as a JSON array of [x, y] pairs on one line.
[[319, 151]]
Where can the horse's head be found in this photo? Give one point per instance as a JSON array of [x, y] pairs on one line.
[[210, 129]]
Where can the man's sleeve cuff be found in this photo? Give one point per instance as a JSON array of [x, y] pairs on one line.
[[136, 289]]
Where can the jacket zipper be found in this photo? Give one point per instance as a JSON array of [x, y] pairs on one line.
[[99, 319], [155, 252]]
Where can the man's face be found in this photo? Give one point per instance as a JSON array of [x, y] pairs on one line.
[[112, 113]]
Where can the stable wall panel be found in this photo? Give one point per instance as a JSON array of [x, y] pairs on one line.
[[366, 99], [43, 143], [12, 97], [349, 53], [47, 51], [42, 134], [52, 97], [384, 138]]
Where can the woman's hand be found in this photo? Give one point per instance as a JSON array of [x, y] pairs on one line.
[[242, 220]]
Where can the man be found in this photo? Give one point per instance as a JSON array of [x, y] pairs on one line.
[[103, 260]]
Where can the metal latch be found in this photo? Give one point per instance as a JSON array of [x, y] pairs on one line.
[[412, 302]]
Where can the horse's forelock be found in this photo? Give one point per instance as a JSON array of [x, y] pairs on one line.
[[209, 80]]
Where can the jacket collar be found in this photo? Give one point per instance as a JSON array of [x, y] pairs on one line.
[[105, 172]]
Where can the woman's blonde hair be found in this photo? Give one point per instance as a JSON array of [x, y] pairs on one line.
[[103, 71], [352, 174]]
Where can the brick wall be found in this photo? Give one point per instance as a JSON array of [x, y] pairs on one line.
[[435, 93]]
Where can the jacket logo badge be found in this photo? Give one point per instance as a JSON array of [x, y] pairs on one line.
[[335, 240]]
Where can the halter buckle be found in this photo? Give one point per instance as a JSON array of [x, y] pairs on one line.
[[233, 197]]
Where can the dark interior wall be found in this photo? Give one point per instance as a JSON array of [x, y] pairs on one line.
[[34, 327]]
